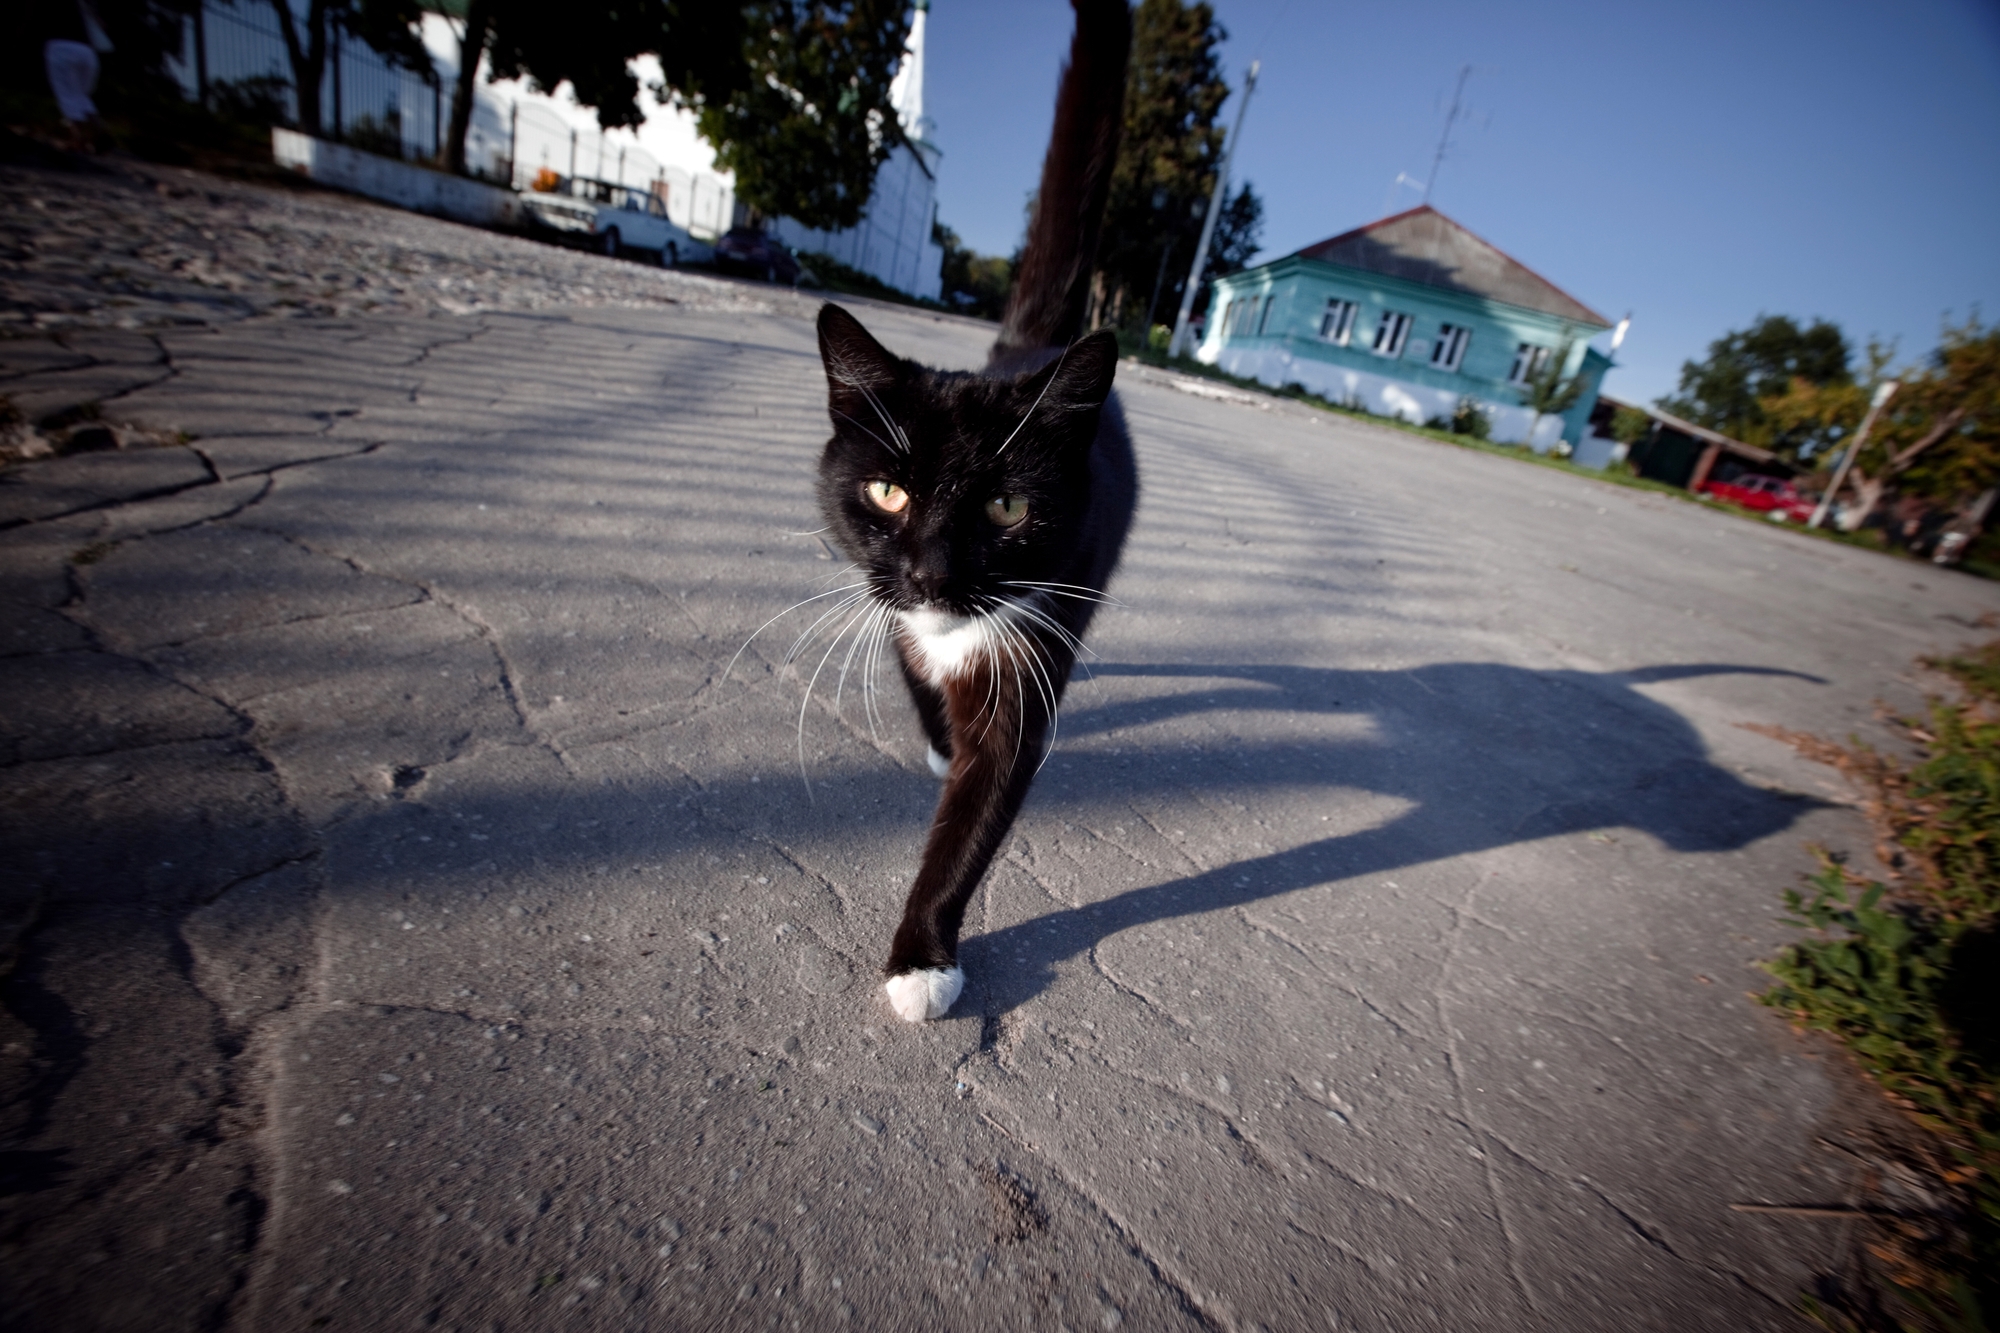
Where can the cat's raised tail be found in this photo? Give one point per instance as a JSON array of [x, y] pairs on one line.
[[1052, 285]]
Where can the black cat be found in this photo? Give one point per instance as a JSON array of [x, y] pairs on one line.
[[986, 513]]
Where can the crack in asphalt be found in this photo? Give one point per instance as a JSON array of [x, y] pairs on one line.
[[1179, 1290]]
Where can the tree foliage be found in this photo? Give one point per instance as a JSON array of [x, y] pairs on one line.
[[1237, 235], [975, 283], [1168, 153], [391, 27], [808, 127], [1937, 439], [699, 45], [792, 94], [1548, 391], [1726, 391]]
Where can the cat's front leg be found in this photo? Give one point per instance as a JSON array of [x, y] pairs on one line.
[[933, 712], [999, 744]]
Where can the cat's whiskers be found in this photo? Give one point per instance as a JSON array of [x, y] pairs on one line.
[[860, 637], [811, 631], [1053, 376], [1068, 639], [869, 433], [1076, 590], [787, 611], [1022, 649], [806, 702], [1041, 667], [888, 422]]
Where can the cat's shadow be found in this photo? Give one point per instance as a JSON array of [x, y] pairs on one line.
[[1478, 755]]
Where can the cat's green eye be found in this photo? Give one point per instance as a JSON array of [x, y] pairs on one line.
[[888, 497], [1006, 511]]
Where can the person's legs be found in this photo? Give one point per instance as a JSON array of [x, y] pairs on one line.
[[72, 68]]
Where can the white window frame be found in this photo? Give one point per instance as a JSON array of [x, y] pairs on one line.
[[1529, 360], [1248, 309], [1264, 319], [1336, 325], [1391, 332], [1448, 352]]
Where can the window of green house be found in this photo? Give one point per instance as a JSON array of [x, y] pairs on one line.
[[1337, 324], [1240, 320], [1264, 320], [1449, 349], [1528, 362], [1391, 334]]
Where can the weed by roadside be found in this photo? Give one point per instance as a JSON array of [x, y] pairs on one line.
[[1906, 975]]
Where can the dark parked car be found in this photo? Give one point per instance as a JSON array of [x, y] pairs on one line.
[[756, 255]]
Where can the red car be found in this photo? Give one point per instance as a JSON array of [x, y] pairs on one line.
[[1765, 495]]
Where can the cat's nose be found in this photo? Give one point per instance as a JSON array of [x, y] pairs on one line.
[[927, 579]]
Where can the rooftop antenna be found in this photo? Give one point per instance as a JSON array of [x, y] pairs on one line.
[[1450, 119]]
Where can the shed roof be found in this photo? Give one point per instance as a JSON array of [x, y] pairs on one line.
[[1702, 433], [1423, 245]]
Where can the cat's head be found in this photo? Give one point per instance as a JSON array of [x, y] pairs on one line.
[[952, 491]]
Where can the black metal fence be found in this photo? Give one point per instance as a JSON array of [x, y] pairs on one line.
[[234, 54]]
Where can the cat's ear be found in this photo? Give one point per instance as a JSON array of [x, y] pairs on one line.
[[1077, 382], [857, 367]]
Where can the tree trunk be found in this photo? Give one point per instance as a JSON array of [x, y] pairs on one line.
[[1869, 493], [308, 58], [478, 28]]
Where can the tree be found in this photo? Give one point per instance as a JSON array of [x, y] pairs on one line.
[[1168, 152], [1547, 391], [1236, 238], [977, 284], [807, 128], [792, 94], [1939, 437], [1726, 392], [700, 49], [389, 26]]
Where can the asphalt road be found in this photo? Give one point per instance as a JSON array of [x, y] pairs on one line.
[[411, 926]]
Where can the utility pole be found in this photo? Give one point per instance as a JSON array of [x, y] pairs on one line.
[[1179, 343], [1883, 393]]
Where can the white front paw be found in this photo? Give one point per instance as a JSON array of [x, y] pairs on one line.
[[929, 993], [940, 765]]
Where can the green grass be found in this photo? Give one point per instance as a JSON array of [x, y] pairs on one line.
[[1907, 977]]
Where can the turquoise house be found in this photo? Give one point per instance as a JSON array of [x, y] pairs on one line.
[[1405, 317]]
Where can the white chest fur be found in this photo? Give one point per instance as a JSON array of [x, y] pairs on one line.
[[945, 646]]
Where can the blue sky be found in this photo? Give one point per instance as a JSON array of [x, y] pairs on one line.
[[1696, 164]]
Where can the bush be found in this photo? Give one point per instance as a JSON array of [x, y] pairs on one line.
[[1628, 424], [1468, 418], [1904, 977], [263, 100], [384, 137]]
